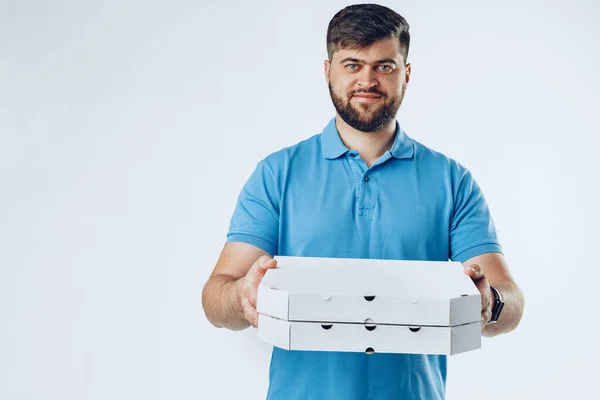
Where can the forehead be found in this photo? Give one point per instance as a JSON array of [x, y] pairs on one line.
[[383, 49]]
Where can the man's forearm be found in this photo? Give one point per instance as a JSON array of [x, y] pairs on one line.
[[511, 313], [221, 303]]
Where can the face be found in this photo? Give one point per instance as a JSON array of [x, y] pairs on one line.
[[367, 86]]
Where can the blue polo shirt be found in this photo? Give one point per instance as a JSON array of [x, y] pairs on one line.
[[319, 199]]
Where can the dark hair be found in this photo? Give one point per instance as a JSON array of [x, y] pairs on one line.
[[360, 25]]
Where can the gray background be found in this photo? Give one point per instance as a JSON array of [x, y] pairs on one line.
[[127, 130]]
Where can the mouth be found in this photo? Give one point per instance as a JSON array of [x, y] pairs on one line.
[[366, 98]]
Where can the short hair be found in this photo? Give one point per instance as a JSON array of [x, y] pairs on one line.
[[360, 25]]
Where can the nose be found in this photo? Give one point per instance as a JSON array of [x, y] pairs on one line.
[[367, 79]]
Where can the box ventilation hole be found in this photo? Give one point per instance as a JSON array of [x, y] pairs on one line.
[[369, 324]]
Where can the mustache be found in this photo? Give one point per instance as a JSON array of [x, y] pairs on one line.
[[372, 91]]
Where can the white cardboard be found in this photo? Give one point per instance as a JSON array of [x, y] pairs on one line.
[[333, 290], [377, 339]]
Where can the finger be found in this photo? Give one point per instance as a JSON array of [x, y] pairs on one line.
[[484, 290], [252, 291], [252, 295], [249, 312], [253, 318], [483, 285], [250, 280], [474, 271], [246, 306], [486, 315], [264, 263], [257, 270], [255, 273], [272, 263]]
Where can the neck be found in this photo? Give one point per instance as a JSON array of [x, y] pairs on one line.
[[370, 145]]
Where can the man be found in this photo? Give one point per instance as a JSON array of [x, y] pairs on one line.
[[360, 189]]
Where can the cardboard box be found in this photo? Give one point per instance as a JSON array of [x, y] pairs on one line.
[[335, 304], [369, 338]]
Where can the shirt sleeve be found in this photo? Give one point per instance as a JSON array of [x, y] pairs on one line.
[[472, 230], [256, 217]]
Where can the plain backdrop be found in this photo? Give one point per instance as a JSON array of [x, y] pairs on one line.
[[128, 128]]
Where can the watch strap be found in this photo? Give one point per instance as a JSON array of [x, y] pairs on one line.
[[498, 305]]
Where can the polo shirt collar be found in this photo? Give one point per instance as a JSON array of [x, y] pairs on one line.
[[403, 146], [333, 147]]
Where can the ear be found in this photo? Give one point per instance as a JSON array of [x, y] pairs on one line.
[[407, 74], [327, 66]]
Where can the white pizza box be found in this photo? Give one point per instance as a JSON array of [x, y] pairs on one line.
[[369, 338], [398, 292]]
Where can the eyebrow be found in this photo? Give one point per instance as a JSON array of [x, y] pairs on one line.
[[383, 61]]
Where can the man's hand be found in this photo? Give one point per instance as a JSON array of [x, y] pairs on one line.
[[474, 271], [249, 287]]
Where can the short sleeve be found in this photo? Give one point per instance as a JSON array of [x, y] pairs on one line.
[[256, 217], [472, 230]]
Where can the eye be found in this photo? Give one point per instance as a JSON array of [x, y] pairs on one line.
[[386, 68], [350, 65]]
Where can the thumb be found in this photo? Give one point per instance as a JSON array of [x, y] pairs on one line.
[[263, 264], [474, 271]]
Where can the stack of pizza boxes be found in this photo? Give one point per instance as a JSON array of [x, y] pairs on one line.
[[372, 306]]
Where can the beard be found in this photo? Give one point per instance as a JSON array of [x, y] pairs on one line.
[[367, 117]]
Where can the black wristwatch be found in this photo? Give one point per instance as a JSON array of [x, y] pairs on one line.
[[498, 306]]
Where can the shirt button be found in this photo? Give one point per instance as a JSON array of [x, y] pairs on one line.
[[352, 154], [366, 179]]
